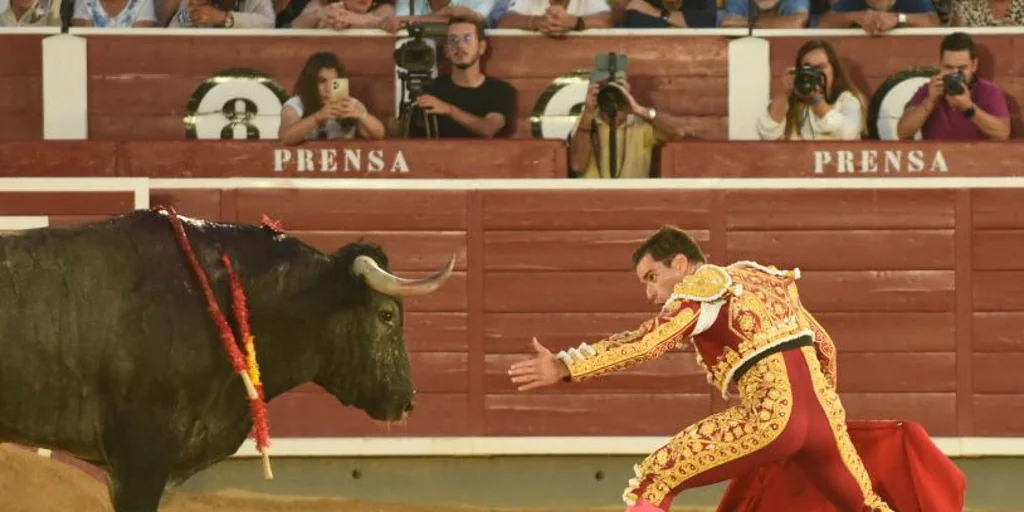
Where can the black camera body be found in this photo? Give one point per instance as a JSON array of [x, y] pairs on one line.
[[954, 84], [808, 78], [417, 59]]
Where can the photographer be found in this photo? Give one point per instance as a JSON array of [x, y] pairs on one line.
[[313, 113], [956, 104], [818, 102], [638, 130], [467, 103]]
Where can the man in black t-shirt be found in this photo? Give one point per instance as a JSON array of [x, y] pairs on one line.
[[467, 104]]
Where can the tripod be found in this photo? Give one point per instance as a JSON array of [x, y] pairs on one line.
[[409, 114]]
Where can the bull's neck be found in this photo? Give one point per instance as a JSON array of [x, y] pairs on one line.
[[283, 320]]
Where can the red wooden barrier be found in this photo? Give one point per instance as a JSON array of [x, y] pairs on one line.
[[343, 159], [920, 289]]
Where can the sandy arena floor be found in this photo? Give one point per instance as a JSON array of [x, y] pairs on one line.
[[30, 483]]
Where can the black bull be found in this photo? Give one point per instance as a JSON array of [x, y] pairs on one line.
[[108, 351]]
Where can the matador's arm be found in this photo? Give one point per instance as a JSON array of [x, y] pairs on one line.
[[672, 326]]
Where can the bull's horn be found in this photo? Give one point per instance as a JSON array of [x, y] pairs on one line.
[[389, 284]]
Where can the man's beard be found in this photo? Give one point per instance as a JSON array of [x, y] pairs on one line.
[[467, 65]]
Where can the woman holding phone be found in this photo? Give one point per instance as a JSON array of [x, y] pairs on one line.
[[322, 107]]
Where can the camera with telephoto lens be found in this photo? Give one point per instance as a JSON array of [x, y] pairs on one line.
[[808, 78], [610, 69], [954, 84]]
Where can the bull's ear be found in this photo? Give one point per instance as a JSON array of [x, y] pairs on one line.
[[390, 284]]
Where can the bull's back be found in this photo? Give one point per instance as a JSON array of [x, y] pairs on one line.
[[85, 312]]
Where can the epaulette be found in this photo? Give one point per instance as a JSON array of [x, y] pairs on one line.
[[773, 270], [708, 283]]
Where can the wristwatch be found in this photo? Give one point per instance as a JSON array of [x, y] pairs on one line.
[[229, 21], [901, 19], [579, 24], [651, 114]]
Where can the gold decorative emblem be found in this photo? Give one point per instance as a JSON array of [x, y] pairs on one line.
[[708, 283]]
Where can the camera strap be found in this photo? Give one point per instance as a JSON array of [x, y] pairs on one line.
[[595, 142]]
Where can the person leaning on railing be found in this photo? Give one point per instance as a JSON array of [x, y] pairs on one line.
[[556, 18], [30, 13], [224, 14], [834, 109]]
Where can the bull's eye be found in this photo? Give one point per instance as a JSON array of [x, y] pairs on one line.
[[387, 317]]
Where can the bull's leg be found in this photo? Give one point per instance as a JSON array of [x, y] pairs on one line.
[[137, 488], [141, 454]]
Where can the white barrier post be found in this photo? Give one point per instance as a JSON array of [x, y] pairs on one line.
[[749, 85], [65, 94]]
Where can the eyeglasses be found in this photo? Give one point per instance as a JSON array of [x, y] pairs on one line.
[[457, 39]]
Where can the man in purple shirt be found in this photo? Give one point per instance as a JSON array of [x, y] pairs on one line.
[[978, 113]]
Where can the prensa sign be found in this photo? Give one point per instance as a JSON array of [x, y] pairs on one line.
[[330, 160], [874, 161]]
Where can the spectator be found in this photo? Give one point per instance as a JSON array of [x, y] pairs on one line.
[[114, 14], [877, 16], [343, 14], [979, 112], [224, 14], [30, 13], [466, 103], [440, 11], [987, 13], [673, 13], [638, 130], [833, 109], [557, 17], [770, 13], [313, 114]]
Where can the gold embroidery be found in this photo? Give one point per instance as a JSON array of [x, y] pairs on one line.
[[767, 313], [836, 415], [708, 283], [826, 350], [765, 410], [608, 356]]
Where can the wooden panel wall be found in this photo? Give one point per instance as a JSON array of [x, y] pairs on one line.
[[390, 159], [997, 283], [21, 87], [919, 288]]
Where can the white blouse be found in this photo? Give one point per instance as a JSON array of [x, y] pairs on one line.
[[843, 122], [332, 129]]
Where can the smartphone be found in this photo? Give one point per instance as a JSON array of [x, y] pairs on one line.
[[339, 88]]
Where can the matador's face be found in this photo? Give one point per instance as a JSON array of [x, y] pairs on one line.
[[659, 278]]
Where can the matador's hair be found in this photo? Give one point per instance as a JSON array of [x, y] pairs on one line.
[[666, 243]]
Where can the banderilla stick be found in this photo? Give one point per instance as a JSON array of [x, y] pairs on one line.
[[250, 388]]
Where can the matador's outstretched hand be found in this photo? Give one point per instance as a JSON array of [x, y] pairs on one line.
[[542, 370]]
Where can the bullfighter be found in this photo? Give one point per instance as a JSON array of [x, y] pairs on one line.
[[751, 334]]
